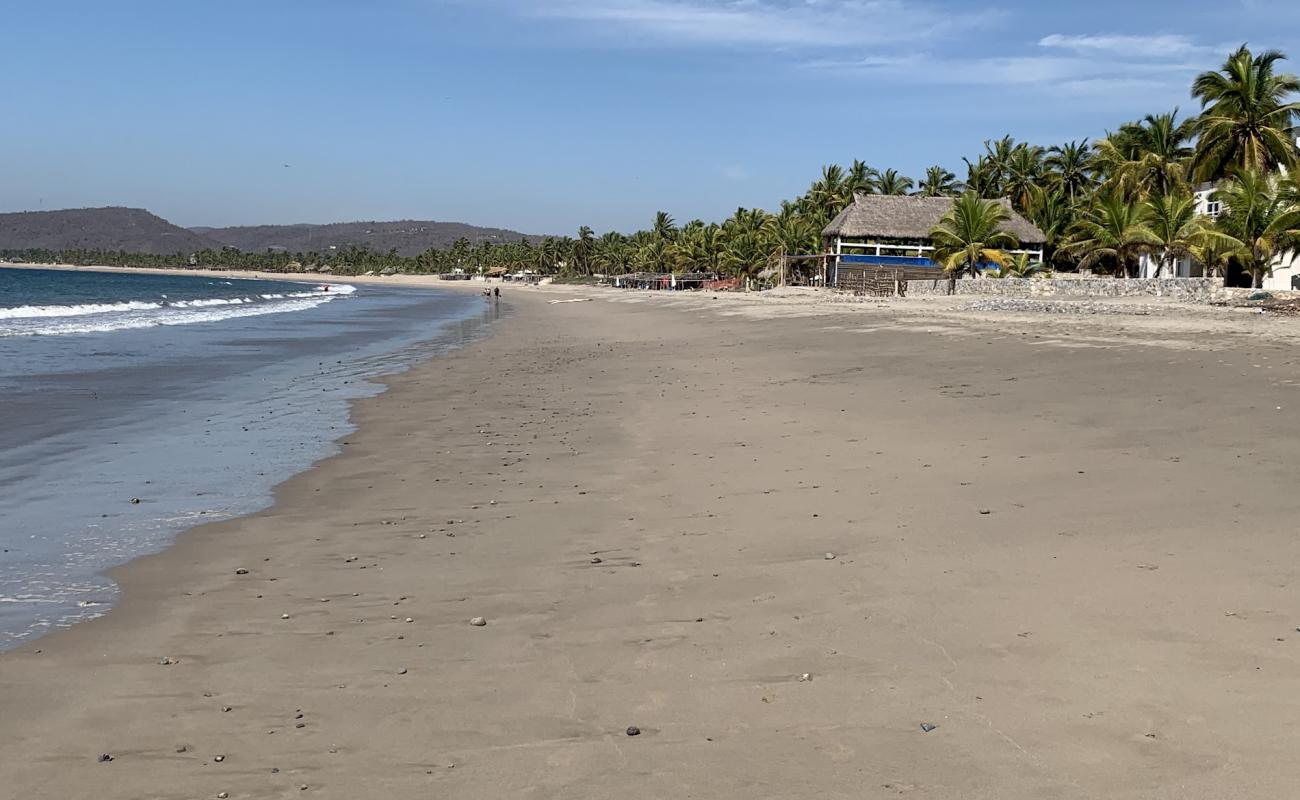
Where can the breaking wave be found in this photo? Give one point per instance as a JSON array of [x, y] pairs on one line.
[[133, 314]]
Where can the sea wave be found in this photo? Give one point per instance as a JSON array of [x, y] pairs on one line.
[[127, 314], [32, 312], [156, 315]]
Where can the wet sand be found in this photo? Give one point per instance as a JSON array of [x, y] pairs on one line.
[[777, 542]]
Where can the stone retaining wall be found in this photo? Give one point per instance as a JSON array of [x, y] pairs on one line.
[[1189, 290]]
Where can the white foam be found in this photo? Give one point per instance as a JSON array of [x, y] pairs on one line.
[[155, 317], [210, 302], [35, 312]]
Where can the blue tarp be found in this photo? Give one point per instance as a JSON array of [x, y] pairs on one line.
[[887, 261]]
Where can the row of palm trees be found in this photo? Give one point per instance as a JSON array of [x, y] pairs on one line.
[[1105, 206], [1102, 205]]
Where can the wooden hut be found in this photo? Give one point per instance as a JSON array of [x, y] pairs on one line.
[[886, 238]]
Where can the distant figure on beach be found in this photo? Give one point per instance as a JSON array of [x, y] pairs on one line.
[[496, 292]]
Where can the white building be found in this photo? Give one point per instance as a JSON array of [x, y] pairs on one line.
[[1286, 268]]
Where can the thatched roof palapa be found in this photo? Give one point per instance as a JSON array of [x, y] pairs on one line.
[[883, 216]]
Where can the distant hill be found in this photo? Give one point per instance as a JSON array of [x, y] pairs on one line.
[[130, 229], [410, 237]]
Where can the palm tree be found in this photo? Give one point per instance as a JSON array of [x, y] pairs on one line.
[[938, 182], [664, 227], [970, 234], [891, 182], [1018, 265], [1176, 229], [1111, 231], [611, 253], [1217, 254], [1262, 216], [828, 195], [1072, 167], [1053, 213], [983, 177], [1147, 158], [1247, 116], [860, 179], [1021, 170]]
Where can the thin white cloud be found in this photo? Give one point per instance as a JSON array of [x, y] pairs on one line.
[[780, 23], [1125, 45]]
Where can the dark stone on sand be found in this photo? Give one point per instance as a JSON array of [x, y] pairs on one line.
[[135, 501], [986, 511], [596, 560], [927, 727], [104, 758], [633, 730]]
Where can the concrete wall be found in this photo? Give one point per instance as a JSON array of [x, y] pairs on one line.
[[1192, 290]]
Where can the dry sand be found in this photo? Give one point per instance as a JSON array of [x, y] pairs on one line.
[[1119, 624]]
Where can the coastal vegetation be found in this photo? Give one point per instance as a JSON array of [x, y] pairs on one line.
[[1103, 205]]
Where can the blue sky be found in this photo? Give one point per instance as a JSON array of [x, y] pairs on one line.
[[545, 115]]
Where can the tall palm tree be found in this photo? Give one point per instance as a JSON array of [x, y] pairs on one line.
[[1247, 116], [1149, 157], [665, 227], [1021, 172], [891, 182], [1072, 167], [1111, 232], [938, 182], [1262, 216], [970, 234], [830, 194], [584, 247], [860, 179]]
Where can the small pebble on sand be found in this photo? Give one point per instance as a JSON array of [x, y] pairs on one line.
[[633, 730], [478, 622]]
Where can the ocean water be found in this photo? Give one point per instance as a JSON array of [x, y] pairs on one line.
[[134, 406]]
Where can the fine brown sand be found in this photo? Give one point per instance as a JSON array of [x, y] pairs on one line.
[[1121, 623]]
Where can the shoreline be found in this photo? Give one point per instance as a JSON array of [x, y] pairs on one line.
[[759, 536], [156, 534]]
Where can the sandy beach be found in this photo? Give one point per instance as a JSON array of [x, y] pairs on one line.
[[806, 550]]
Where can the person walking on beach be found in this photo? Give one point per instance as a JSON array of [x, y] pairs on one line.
[[496, 292]]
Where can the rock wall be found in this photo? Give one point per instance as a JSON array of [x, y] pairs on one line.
[[1189, 290]]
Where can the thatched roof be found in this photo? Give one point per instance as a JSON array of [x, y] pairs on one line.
[[902, 217]]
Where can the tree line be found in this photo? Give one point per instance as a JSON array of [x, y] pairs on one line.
[[1103, 205]]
